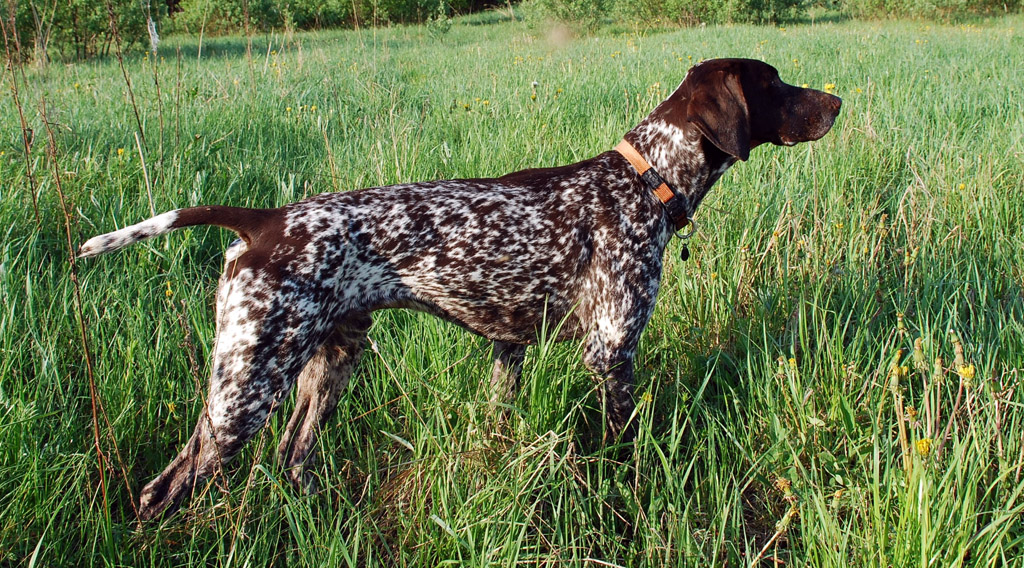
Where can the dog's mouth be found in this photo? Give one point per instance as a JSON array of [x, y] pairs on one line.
[[817, 121]]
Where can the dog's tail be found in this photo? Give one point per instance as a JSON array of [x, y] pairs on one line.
[[248, 223]]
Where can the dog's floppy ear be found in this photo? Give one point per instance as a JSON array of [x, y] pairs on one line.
[[718, 109]]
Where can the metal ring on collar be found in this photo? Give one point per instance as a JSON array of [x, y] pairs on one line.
[[693, 229]]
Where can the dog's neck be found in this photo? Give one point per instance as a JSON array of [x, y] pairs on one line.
[[678, 151]]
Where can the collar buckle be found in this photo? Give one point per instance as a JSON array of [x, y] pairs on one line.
[[676, 205]]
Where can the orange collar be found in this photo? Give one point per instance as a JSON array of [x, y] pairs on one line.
[[675, 203]]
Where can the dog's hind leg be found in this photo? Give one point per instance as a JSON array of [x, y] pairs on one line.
[[265, 336], [319, 387]]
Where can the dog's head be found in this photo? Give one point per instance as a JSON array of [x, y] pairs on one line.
[[738, 104]]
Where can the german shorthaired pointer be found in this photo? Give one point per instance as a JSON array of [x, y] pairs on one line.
[[580, 244]]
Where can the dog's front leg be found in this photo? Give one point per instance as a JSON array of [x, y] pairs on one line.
[[612, 364]]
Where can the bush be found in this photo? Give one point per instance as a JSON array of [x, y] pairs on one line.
[[942, 10], [588, 13], [225, 16], [312, 14], [585, 14], [78, 28]]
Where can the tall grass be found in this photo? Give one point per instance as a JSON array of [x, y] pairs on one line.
[[831, 380]]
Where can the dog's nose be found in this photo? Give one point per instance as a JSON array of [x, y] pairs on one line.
[[833, 102]]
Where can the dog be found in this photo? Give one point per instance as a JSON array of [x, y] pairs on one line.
[[580, 244]]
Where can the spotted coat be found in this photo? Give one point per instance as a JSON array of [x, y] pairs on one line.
[[580, 245]]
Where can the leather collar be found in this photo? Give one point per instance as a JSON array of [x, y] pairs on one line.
[[676, 205]]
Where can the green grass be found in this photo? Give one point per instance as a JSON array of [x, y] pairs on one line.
[[772, 422]]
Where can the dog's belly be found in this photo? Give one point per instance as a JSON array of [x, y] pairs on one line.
[[522, 314], [514, 299], [524, 325]]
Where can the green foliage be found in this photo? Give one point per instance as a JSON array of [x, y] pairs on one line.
[[788, 413], [940, 10], [81, 28], [317, 14], [219, 17], [587, 14], [440, 22], [580, 14], [692, 12], [228, 16]]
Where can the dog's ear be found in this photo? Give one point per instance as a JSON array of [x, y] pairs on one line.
[[718, 109]]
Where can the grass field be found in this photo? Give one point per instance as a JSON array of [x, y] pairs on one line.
[[834, 378]]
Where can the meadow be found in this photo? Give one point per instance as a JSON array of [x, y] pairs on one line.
[[833, 379]]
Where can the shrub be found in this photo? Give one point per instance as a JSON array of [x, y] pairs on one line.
[[78, 28], [223, 16], [587, 13], [942, 10]]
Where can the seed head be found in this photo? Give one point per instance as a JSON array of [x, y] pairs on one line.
[[919, 361], [938, 373]]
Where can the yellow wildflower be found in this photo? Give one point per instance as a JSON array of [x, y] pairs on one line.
[[783, 484], [966, 372], [924, 447]]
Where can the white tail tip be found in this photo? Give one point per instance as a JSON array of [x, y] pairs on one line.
[[121, 238]]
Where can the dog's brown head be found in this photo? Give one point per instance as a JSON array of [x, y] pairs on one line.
[[738, 104]]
